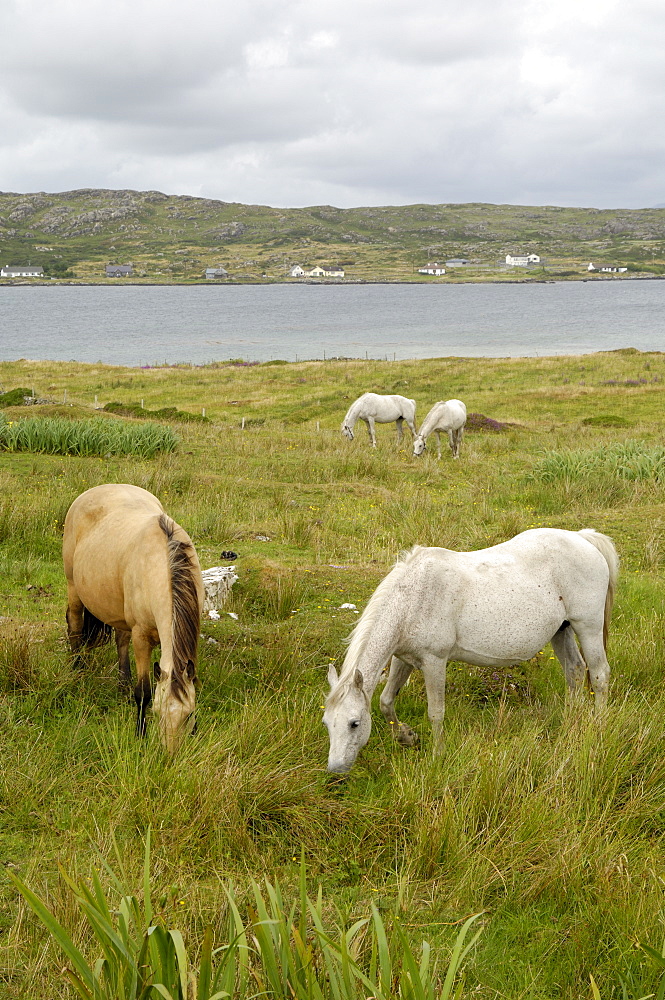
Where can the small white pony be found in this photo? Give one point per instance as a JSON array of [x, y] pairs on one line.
[[449, 416], [493, 607], [373, 408]]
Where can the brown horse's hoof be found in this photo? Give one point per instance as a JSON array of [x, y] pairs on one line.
[[406, 736]]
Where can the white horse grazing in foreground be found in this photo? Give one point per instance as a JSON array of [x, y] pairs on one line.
[[373, 408], [493, 607], [449, 416]]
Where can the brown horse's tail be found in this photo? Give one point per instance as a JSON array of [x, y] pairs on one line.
[[605, 546], [186, 620], [94, 631]]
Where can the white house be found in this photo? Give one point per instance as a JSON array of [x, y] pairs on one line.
[[433, 268], [325, 271], [214, 273], [296, 272], [606, 267], [21, 271], [118, 270], [522, 260]]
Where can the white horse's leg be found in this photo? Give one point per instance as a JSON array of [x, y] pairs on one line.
[[434, 672], [455, 441], [593, 651], [412, 427], [566, 651], [438, 444], [400, 431], [397, 678], [370, 430]]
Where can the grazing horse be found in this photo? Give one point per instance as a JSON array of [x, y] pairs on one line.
[[375, 409], [493, 607], [130, 568], [449, 416]]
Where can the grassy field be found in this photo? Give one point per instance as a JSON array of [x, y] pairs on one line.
[[548, 821]]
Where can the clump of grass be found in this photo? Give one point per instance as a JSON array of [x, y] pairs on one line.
[[288, 951], [606, 420], [165, 413], [55, 436], [17, 667], [630, 460]]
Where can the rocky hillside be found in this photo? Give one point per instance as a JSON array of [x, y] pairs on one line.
[[176, 237]]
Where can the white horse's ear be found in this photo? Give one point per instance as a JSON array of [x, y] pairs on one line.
[[332, 676], [358, 680]]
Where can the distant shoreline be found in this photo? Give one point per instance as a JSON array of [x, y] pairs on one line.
[[140, 283]]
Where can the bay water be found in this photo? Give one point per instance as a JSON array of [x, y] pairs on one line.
[[149, 325]]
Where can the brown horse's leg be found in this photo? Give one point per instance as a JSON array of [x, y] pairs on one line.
[[75, 625], [142, 692], [122, 640]]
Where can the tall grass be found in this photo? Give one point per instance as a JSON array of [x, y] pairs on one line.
[[628, 460], [57, 436], [286, 951]]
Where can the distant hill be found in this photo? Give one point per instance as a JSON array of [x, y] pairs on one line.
[[168, 237]]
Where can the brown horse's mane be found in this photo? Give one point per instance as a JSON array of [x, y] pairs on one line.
[[186, 608]]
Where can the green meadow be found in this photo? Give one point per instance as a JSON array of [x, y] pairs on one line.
[[544, 819]]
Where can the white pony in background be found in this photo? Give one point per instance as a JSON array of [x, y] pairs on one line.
[[449, 416], [493, 607], [373, 408]]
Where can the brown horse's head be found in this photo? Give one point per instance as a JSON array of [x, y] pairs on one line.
[[174, 702]]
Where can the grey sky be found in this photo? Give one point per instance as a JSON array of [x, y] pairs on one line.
[[345, 103]]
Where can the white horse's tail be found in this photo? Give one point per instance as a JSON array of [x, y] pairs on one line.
[[605, 546]]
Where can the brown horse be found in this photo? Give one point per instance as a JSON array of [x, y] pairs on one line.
[[129, 567]]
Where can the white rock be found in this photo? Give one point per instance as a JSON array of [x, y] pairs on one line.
[[217, 581], [347, 607]]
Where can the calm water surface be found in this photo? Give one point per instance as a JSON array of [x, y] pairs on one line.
[[155, 324]]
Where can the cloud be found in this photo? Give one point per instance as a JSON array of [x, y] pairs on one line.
[[352, 103]]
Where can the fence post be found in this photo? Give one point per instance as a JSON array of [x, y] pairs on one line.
[[318, 426], [242, 425], [141, 404], [64, 396], [96, 407], [203, 411]]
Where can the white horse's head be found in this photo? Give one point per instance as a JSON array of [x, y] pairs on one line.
[[348, 721], [418, 444], [347, 432], [175, 711]]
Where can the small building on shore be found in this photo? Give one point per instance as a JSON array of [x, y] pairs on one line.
[[522, 260], [457, 262], [119, 270], [606, 267], [325, 271], [216, 273], [21, 271], [433, 268]]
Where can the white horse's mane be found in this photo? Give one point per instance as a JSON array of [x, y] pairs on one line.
[[358, 639]]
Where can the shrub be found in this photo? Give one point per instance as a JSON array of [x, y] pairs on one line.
[[165, 413], [479, 422], [15, 397]]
